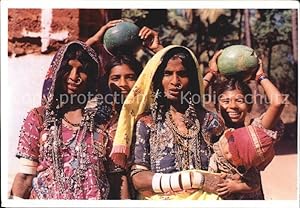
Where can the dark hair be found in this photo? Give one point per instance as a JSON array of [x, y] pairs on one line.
[[123, 59], [129, 60], [234, 84], [90, 66], [188, 63], [76, 52]]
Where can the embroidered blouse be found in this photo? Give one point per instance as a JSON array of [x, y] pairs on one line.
[[156, 148], [81, 160]]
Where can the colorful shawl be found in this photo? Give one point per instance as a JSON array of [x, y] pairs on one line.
[[49, 83], [138, 101], [247, 146]]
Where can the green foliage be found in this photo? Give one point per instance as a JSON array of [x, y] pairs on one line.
[[273, 26], [134, 14], [270, 28], [282, 71]]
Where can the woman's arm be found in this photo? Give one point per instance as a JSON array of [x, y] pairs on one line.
[[22, 185], [99, 35], [274, 96], [213, 70], [142, 182], [151, 39]]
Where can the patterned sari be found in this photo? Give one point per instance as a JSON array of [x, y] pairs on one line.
[[156, 146], [67, 163]]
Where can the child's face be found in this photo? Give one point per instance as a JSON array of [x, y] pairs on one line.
[[233, 107], [121, 79]]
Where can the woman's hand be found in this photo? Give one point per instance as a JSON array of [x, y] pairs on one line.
[[213, 67], [150, 39], [260, 70], [99, 35], [110, 24], [213, 70]]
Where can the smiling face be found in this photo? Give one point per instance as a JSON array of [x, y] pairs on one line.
[[175, 79], [75, 78], [121, 79], [233, 107]]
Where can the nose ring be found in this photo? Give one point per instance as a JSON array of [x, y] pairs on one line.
[[78, 80], [178, 87]]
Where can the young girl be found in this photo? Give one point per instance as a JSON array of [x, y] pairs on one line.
[[234, 103], [121, 74]]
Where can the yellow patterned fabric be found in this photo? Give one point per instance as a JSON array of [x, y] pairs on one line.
[[138, 101], [197, 195]]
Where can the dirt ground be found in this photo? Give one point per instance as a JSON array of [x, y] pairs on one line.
[[279, 179]]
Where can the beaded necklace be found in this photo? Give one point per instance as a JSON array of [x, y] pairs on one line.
[[73, 183], [69, 122], [185, 143]]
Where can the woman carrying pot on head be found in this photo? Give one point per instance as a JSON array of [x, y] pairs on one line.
[[245, 148], [61, 156], [173, 134], [122, 72], [148, 36]]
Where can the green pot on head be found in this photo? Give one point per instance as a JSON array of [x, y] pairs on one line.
[[238, 61], [122, 38]]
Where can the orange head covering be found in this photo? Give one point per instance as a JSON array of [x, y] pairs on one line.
[[251, 147]]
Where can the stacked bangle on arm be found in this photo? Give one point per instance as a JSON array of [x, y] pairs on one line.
[[198, 180], [261, 77], [178, 181], [175, 184], [156, 180], [186, 180], [165, 183]]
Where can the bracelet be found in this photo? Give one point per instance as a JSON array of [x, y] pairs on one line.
[[186, 180], [206, 80], [261, 77], [15, 197], [165, 183], [156, 182], [212, 71], [175, 186], [28, 166], [198, 180]]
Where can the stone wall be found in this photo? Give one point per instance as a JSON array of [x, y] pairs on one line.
[[40, 30], [36, 31]]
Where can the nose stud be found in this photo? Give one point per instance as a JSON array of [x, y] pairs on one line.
[[178, 86], [78, 80]]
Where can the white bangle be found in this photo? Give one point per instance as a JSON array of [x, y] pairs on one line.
[[16, 197], [156, 182], [175, 186], [28, 170], [198, 180], [28, 166], [186, 180], [165, 182]]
